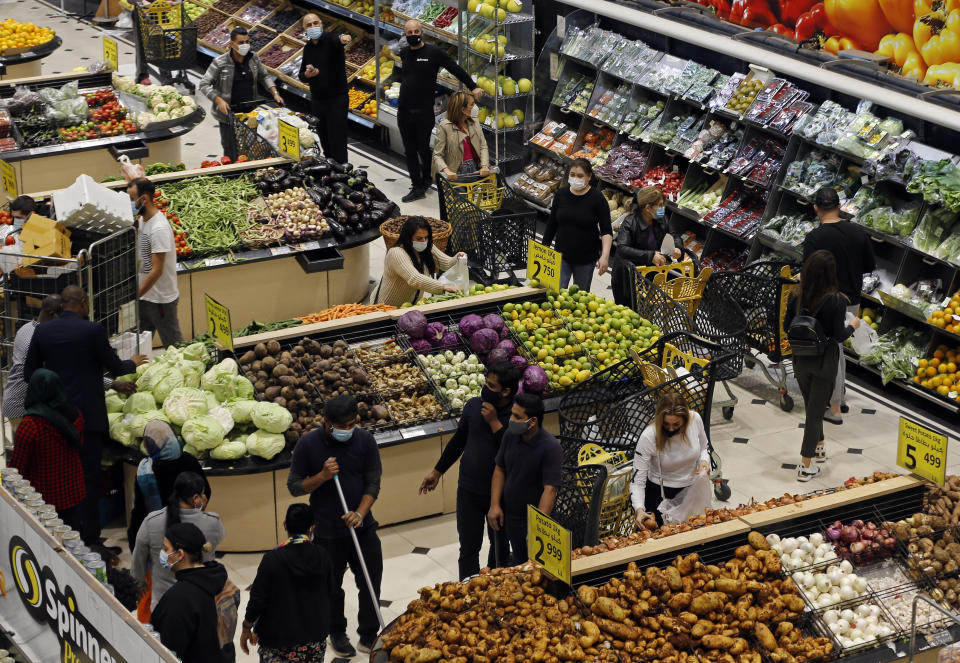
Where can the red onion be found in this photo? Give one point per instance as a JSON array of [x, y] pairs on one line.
[[833, 532], [868, 534], [857, 523], [849, 533]]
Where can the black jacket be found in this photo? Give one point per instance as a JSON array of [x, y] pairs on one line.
[[326, 54], [78, 351], [632, 250], [186, 616], [290, 597], [166, 472]]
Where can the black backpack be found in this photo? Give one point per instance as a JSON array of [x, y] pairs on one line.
[[806, 334]]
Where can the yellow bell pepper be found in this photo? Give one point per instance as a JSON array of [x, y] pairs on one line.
[[901, 49], [901, 13], [861, 21], [937, 34], [836, 44], [943, 75]]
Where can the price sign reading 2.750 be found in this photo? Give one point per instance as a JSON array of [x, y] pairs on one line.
[[548, 544], [922, 451], [543, 264]]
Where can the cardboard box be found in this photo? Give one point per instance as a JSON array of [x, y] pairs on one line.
[[44, 237]]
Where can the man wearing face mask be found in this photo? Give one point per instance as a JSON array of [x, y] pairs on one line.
[[475, 445], [420, 64], [323, 68], [528, 471], [158, 291], [342, 449], [230, 83]]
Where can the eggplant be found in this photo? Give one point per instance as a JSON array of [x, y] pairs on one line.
[[354, 218], [339, 167], [336, 230], [319, 170], [316, 198], [326, 180], [275, 187], [376, 194], [338, 214], [323, 193], [263, 187], [288, 183], [345, 204], [348, 167], [355, 196], [339, 177]]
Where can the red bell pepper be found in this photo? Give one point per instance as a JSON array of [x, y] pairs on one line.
[[813, 21], [752, 13], [792, 10], [781, 29]]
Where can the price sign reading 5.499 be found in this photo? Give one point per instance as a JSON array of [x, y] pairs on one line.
[[289, 140], [543, 265], [922, 451], [548, 544]]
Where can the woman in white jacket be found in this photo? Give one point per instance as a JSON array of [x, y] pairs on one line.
[[671, 452]]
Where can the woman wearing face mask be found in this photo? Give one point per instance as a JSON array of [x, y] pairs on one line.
[[460, 153], [186, 618], [413, 265], [186, 504], [580, 222], [671, 452], [639, 240]]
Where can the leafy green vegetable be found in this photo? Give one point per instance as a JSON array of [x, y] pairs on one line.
[[203, 432], [229, 450], [265, 444], [185, 403], [140, 402], [271, 417], [114, 401]]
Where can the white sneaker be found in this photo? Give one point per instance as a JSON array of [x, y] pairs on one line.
[[820, 456], [806, 473]]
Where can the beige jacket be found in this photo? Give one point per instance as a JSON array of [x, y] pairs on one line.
[[448, 150], [401, 280]]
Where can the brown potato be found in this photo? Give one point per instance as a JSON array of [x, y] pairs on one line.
[[730, 587], [702, 628], [587, 594], [679, 602], [758, 540], [707, 603], [674, 581], [607, 607], [717, 641], [765, 637]]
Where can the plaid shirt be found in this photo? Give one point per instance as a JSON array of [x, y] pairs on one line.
[[49, 462]]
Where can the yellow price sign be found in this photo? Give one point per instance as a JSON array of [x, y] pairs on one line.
[[110, 53], [922, 451], [548, 544], [8, 176], [289, 140], [218, 322], [543, 264]]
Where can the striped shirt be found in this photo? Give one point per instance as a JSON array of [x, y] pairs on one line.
[[16, 390]]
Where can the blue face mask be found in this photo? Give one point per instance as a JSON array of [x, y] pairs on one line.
[[660, 213], [315, 32], [165, 559], [341, 435], [134, 208]]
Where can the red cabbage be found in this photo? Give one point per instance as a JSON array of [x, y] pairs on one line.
[[518, 362], [422, 346], [434, 333], [493, 321], [504, 332], [508, 345], [483, 340], [413, 323], [534, 380], [449, 340], [497, 355], [469, 324]]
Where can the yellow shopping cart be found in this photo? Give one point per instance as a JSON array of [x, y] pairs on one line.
[[616, 514]]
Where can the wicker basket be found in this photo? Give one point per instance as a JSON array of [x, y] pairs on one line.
[[440, 237]]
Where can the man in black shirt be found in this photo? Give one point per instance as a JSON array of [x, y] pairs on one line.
[[853, 251], [340, 448], [528, 470], [420, 64], [323, 68], [476, 443]]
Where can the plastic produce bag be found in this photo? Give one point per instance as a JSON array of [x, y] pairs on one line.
[[67, 112], [131, 171], [864, 337], [457, 276], [691, 501]]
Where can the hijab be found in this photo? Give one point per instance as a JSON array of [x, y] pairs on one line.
[[160, 444], [46, 399]]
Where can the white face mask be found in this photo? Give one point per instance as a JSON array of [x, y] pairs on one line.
[[475, 112], [420, 247], [577, 183], [243, 49]]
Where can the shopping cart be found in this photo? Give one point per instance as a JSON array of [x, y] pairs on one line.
[[250, 143], [613, 407], [761, 290], [615, 517], [493, 229], [578, 503], [167, 39]]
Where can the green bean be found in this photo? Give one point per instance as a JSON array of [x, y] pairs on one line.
[[212, 209]]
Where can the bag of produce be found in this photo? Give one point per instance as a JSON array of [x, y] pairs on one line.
[[691, 501]]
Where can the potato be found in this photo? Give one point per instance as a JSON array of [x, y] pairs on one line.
[[765, 637], [730, 587], [758, 541], [708, 602], [717, 641]]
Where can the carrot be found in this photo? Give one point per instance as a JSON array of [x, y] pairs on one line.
[[344, 311]]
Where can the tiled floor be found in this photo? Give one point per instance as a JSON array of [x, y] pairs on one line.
[[758, 447]]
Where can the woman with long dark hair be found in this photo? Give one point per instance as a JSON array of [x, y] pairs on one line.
[[580, 222], [671, 452], [413, 265], [818, 297], [186, 504]]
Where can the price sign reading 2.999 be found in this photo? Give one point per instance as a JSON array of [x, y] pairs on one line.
[[218, 322], [548, 544], [289, 140], [922, 451], [543, 265]]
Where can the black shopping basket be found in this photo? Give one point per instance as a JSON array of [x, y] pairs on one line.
[[494, 238], [578, 503], [250, 143], [167, 38]]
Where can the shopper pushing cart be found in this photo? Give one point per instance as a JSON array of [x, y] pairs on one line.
[[165, 37]]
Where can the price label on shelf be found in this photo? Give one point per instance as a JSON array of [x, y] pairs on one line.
[[214, 262], [8, 176], [110, 53], [289, 140], [218, 322], [310, 246], [407, 433], [543, 264], [922, 450], [548, 544], [279, 250]]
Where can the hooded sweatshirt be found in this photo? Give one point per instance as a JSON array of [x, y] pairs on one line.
[[186, 617], [289, 599]]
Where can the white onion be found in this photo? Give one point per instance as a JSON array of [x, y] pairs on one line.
[[847, 593], [846, 566], [848, 614], [831, 616], [816, 538], [860, 585], [773, 539], [806, 547], [789, 545], [823, 583]]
